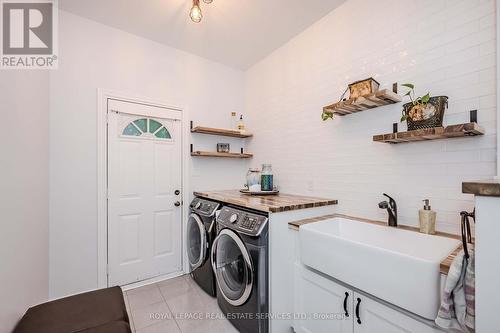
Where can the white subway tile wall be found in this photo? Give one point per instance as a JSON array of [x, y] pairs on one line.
[[446, 47]]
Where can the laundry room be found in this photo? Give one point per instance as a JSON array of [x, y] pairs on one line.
[[250, 166]]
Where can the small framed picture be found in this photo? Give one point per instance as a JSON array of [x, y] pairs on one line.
[[223, 147]]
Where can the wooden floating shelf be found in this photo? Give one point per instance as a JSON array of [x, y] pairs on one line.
[[452, 131], [370, 101], [216, 154], [220, 131]]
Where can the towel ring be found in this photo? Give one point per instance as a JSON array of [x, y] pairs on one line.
[[466, 233]]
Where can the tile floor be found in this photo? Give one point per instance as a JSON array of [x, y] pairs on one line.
[[177, 305]]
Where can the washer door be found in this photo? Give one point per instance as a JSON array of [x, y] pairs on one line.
[[233, 267], [196, 241]]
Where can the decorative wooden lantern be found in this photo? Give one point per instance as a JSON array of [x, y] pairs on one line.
[[363, 87]]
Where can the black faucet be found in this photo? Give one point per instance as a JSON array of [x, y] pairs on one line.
[[392, 209]]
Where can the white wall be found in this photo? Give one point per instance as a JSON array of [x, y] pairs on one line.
[[498, 87], [95, 56], [24, 164], [446, 47]]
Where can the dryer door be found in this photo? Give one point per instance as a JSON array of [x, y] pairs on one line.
[[196, 241], [233, 267]]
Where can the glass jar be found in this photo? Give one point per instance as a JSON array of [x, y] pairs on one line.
[[253, 179], [266, 178]]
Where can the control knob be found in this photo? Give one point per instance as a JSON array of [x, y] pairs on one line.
[[233, 218], [198, 205]]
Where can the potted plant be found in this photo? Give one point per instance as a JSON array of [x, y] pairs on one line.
[[423, 111]]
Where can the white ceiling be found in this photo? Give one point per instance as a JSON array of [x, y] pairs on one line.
[[237, 33]]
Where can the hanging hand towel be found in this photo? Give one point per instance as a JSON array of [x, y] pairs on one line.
[[470, 292], [457, 309]]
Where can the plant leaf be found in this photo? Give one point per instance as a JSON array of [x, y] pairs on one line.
[[408, 85], [325, 116], [426, 98], [403, 118], [408, 93]]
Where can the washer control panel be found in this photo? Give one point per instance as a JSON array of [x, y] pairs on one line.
[[242, 221], [204, 207]]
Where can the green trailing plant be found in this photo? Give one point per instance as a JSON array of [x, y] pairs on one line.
[[326, 115], [420, 101], [329, 115]]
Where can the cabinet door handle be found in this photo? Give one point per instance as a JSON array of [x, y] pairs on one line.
[[357, 310], [345, 304]]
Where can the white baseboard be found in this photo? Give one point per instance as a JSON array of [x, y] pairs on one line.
[[152, 280]]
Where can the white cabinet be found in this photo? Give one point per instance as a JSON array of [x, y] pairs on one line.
[[372, 316], [324, 306], [319, 304]]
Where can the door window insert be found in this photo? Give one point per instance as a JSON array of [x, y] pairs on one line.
[[146, 127]]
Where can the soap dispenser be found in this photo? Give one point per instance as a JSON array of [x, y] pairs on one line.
[[427, 218]]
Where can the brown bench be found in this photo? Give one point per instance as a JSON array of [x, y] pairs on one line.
[[100, 311]]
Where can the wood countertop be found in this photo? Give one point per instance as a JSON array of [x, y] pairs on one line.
[[266, 203], [445, 264], [489, 188]]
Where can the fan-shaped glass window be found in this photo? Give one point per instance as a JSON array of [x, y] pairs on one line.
[[153, 125], [142, 124], [147, 128], [163, 134], [132, 130]]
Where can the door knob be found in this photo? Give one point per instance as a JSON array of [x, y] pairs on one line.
[[177, 192], [177, 204]]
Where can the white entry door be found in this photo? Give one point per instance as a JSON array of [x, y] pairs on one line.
[[144, 184]]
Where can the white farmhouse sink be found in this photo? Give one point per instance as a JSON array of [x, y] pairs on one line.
[[398, 266]]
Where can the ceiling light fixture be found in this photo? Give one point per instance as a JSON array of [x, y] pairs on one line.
[[195, 12]]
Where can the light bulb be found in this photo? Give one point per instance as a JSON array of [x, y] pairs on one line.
[[195, 12], [208, 1]]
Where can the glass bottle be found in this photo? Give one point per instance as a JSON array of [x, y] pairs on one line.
[[241, 125], [266, 178], [234, 121], [253, 180]]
